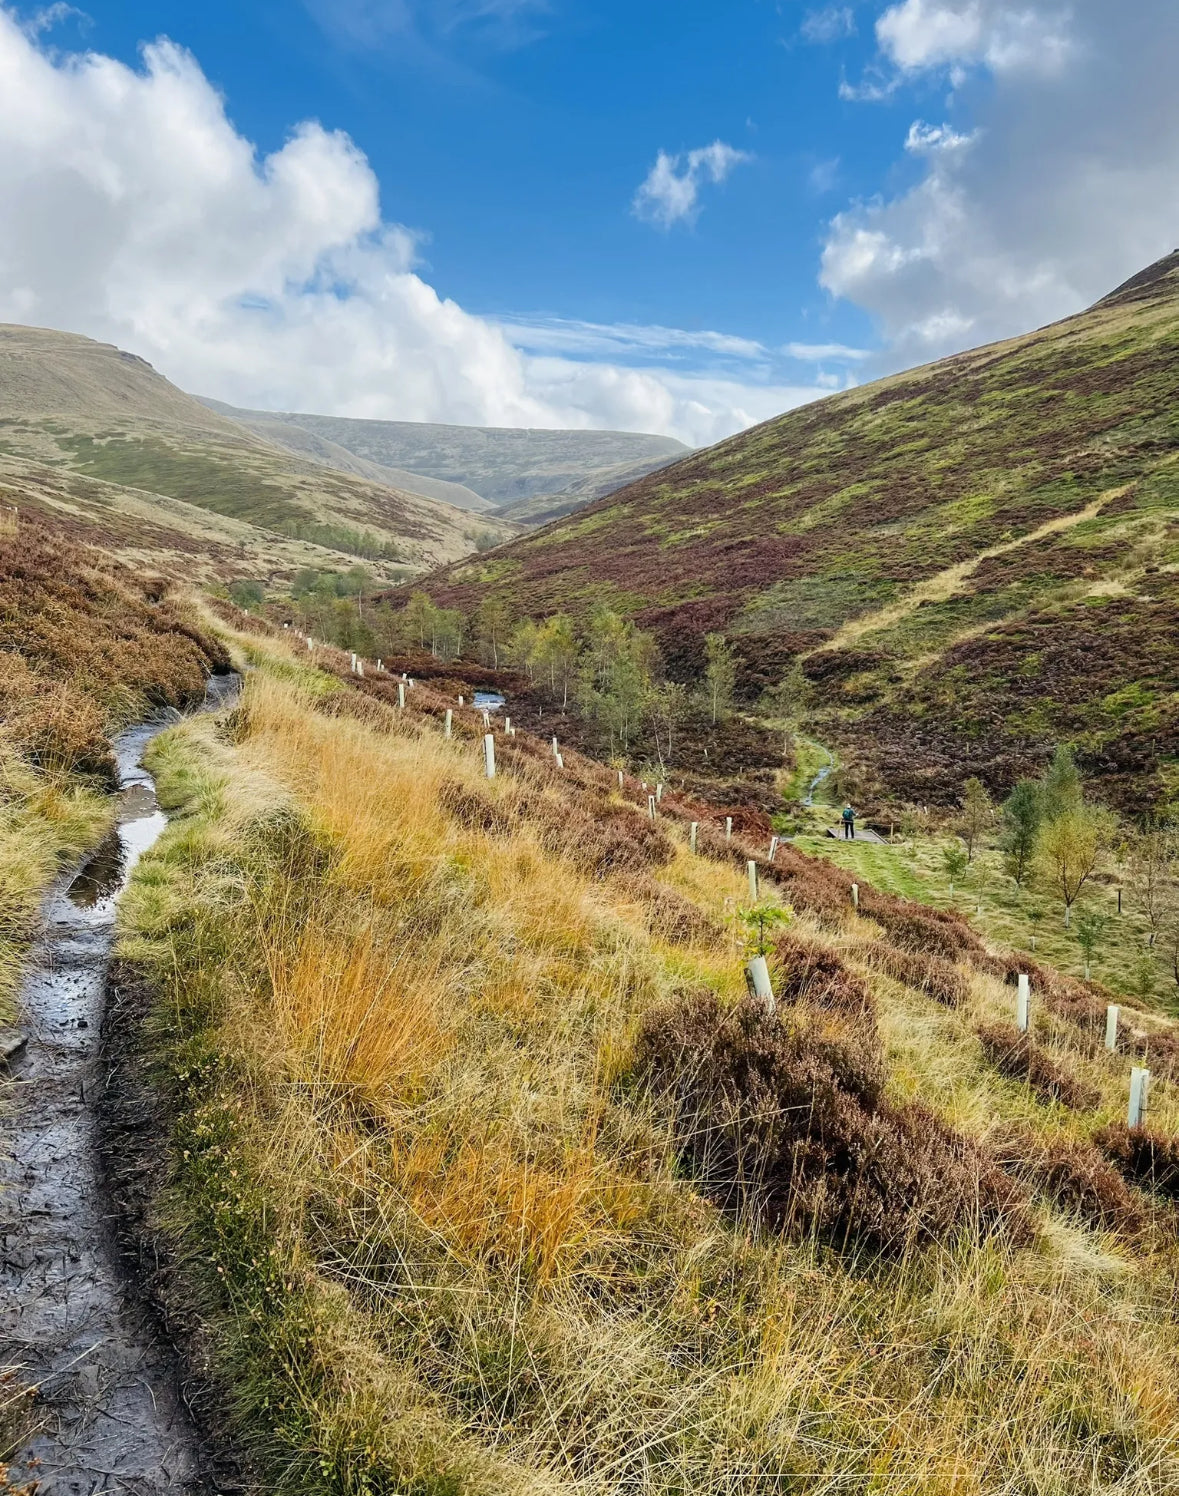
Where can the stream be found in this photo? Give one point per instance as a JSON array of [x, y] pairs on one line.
[[820, 778], [109, 1414]]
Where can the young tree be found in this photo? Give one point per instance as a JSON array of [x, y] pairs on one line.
[[1070, 848], [493, 624], [1152, 861], [955, 862], [978, 815], [1090, 933], [1061, 786], [556, 655], [419, 618], [521, 648], [667, 706], [1022, 813], [720, 674]]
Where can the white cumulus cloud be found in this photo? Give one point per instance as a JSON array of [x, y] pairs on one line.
[[1056, 178], [671, 192], [132, 210]]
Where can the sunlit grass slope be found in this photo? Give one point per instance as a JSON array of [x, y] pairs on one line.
[[447, 1236]]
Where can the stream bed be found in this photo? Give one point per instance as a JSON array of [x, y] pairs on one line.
[[109, 1414]]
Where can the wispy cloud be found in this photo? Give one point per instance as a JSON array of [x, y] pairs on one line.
[[671, 192], [624, 340], [819, 353], [830, 24], [432, 24]]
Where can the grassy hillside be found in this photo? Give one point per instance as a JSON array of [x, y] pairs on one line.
[[971, 560], [512, 470], [485, 1176], [95, 437]]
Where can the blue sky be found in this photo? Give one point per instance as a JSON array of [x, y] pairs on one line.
[[843, 189]]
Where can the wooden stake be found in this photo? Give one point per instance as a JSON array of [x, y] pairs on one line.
[[489, 755], [1139, 1094], [1112, 1014], [1023, 1003]]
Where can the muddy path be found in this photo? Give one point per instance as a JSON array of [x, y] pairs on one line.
[[110, 1414]]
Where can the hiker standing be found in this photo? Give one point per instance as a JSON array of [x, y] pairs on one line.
[[849, 823]]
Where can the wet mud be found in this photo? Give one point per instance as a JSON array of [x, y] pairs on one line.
[[110, 1415]]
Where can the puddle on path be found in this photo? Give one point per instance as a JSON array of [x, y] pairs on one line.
[[111, 1417]]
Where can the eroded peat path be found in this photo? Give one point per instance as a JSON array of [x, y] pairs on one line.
[[110, 1417]]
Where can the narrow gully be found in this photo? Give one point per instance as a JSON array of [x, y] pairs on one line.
[[110, 1417]]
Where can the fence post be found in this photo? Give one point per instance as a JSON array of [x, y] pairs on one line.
[[1112, 1013], [855, 893], [752, 869], [1023, 1004], [448, 726], [1139, 1093], [693, 834], [489, 755], [401, 694], [759, 979]]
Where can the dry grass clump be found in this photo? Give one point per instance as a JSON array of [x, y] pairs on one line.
[[785, 1125], [1150, 1159], [932, 975], [1018, 1057], [812, 973], [1072, 1175]]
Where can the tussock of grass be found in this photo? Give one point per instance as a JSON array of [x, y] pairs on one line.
[[434, 1218]]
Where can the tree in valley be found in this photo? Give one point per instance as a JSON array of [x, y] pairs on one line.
[[720, 675], [978, 815], [493, 625], [419, 618], [667, 706], [520, 649], [1069, 850], [1061, 787], [1090, 934], [1152, 862], [955, 862], [554, 656], [617, 671], [1023, 811]]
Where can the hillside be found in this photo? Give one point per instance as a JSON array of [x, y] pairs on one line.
[[526, 475], [477, 1171], [93, 436], [970, 560]]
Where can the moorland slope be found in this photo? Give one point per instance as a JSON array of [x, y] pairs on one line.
[[971, 560], [94, 437], [528, 475]]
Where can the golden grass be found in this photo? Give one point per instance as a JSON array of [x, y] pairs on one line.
[[409, 1092]]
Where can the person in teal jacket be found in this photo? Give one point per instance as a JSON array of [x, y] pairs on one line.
[[849, 823]]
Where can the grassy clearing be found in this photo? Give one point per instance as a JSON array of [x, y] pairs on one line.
[[436, 1227], [1027, 918]]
